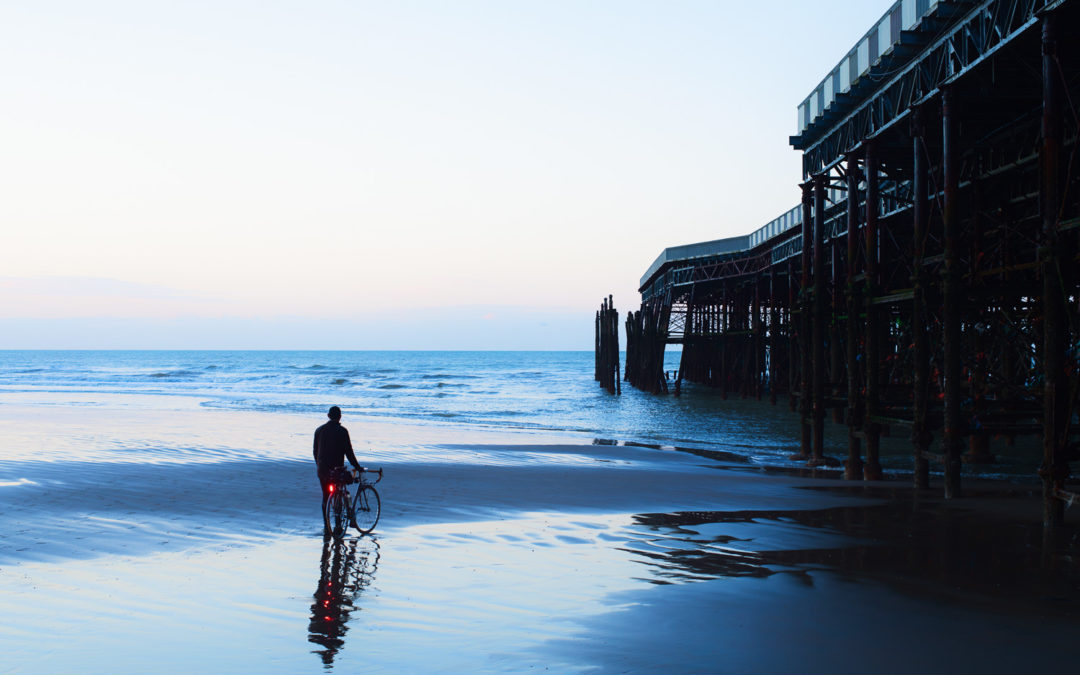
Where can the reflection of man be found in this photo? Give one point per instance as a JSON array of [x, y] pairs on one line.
[[328, 617], [344, 572], [331, 447]]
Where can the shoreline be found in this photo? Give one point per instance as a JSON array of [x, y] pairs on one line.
[[500, 556]]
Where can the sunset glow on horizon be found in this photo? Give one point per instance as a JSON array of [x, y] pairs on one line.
[[446, 165]]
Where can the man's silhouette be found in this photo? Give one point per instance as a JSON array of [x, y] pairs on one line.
[[331, 447]]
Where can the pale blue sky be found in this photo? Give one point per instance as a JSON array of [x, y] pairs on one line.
[[383, 174]]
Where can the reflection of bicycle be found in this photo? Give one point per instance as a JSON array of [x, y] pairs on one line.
[[345, 570], [360, 510]]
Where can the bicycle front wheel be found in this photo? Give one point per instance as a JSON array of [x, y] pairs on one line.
[[337, 513], [366, 509]]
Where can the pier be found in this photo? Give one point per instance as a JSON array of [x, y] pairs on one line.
[[927, 283]]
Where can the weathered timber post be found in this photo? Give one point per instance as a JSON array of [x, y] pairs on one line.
[[1056, 412], [951, 305], [804, 322], [920, 434], [596, 349], [853, 467], [817, 450], [607, 346], [613, 330], [871, 428]]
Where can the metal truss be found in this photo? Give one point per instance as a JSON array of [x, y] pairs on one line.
[[969, 42]]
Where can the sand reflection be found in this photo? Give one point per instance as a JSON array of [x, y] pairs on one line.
[[346, 568]]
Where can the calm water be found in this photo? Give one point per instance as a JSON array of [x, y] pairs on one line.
[[549, 392]]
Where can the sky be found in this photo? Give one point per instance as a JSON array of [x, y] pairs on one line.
[[383, 175]]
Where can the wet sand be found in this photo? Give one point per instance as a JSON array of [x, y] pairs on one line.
[[501, 552]]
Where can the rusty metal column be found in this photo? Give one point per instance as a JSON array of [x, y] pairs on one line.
[[792, 331], [920, 435], [1055, 468], [756, 337], [818, 448], [853, 467], [724, 325], [804, 322], [951, 309], [872, 468], [774, 325]]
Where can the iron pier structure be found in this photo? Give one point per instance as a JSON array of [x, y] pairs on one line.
[[928, 279]]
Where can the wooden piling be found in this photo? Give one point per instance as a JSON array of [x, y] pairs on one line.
[[607, 347]]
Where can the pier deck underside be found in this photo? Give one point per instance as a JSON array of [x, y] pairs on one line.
[[932, 285]]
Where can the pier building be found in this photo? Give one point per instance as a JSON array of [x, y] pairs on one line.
[[927, 282]]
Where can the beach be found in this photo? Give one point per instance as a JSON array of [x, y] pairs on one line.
[[147, 532]]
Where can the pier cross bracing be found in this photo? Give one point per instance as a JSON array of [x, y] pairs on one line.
[[927, 282]]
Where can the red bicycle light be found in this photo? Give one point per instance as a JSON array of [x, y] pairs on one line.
[[331, 487]]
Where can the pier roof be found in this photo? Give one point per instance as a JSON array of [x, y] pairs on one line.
[[890, 43], [678, 255]]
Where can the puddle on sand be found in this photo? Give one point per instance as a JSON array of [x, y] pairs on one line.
[[495, 595]]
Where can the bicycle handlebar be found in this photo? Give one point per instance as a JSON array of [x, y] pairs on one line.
[[356, 474]]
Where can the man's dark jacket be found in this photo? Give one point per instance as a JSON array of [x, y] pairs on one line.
[[332, 446]]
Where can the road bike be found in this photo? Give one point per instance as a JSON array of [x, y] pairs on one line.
[[361, 510]]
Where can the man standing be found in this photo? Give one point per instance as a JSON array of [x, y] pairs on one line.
[[331, 447]]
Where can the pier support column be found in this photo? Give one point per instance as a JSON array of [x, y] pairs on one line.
[[835, 311], [792, 337], [819, 319], [804, 322], [1056, 412], [853, 467], [725, 324], [756, 340], [774, 330], [951, 305], [920, 434], [871, 429]]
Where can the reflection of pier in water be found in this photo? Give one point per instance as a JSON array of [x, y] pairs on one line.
[[345, 570], [930, 548]]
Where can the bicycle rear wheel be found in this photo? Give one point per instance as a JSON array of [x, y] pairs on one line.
[[366, 509], [337, 513]]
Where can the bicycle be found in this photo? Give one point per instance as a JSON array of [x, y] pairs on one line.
[[360, 510]]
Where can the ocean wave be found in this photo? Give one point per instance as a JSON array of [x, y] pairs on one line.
[[449, 376], [390, 386], [172, 373]]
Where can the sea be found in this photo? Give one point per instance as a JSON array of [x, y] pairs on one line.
[[522, 392]]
